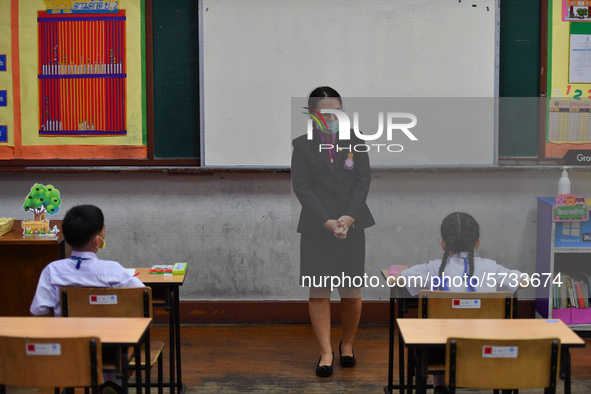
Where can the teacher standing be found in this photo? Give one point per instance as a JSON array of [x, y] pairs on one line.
[[332, 186]]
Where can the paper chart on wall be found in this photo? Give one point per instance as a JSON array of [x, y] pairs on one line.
[[580, 58]]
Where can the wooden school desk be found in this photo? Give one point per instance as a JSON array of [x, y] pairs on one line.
[[405, 301], [422, 335], [22, 260], [168, 287], [121, 332]]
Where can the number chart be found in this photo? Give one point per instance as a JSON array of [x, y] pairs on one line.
[[82, 74], [569, 121]]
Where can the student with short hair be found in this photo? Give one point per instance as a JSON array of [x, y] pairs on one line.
[[84, 230]]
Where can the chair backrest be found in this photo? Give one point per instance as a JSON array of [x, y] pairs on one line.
[[50, 362], [465, 305], [106, 301], [502, 363]]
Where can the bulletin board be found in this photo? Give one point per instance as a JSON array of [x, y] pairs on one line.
[[568, 122], [72, 80]]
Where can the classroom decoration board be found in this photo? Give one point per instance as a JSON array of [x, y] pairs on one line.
[[259, 55], [576, 10], [570, 208], [72, 79], [568, 123]]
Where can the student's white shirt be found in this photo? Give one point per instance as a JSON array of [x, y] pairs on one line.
[[92, 273], [490, 276]]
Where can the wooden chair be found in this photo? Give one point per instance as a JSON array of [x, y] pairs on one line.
[[68, 362], [465, 305], [115, 302], [434, 304], [502, 363]]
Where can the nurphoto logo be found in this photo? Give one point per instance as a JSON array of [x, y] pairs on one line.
[[395, 122]]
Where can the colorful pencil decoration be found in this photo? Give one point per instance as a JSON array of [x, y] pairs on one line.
[[82, 73]]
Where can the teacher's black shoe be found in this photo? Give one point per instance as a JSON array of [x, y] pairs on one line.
[[324, 371], [346, 361]]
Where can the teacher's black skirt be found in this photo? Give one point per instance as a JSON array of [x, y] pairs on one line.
[[324, 256]]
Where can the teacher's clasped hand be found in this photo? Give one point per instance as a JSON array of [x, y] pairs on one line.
[[339, 227], [331, 184]]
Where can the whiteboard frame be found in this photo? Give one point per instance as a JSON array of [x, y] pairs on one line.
[[203, 157]]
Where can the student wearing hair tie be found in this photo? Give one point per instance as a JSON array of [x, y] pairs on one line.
[[460, 238]]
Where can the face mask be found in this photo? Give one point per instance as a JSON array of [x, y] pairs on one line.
[[104, 243], [333, 127]]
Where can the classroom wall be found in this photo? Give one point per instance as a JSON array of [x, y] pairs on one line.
[[237, 233]]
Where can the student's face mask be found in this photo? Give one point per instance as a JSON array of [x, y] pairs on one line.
[[104, 243]]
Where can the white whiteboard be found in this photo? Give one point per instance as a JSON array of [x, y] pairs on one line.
[[256, 55]]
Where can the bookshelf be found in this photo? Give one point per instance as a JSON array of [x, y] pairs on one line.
[[571, 262]]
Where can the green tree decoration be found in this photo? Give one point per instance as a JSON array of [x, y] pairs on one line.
[[42, 199]]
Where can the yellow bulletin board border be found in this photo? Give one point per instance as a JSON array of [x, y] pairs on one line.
[[24, 141]]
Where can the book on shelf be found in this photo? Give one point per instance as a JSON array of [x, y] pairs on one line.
[[580, 300], [560, 299], [572, 292]]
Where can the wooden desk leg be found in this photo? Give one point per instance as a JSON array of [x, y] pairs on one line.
[[177, 325], [401, 309], [410, 366], [395, 300], [123, 362], [421, 364], [390, 386], [171, 334], [148, 361], [566, 357], [138, 368]]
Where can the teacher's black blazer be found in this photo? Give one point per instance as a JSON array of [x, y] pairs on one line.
[[328, 193]]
